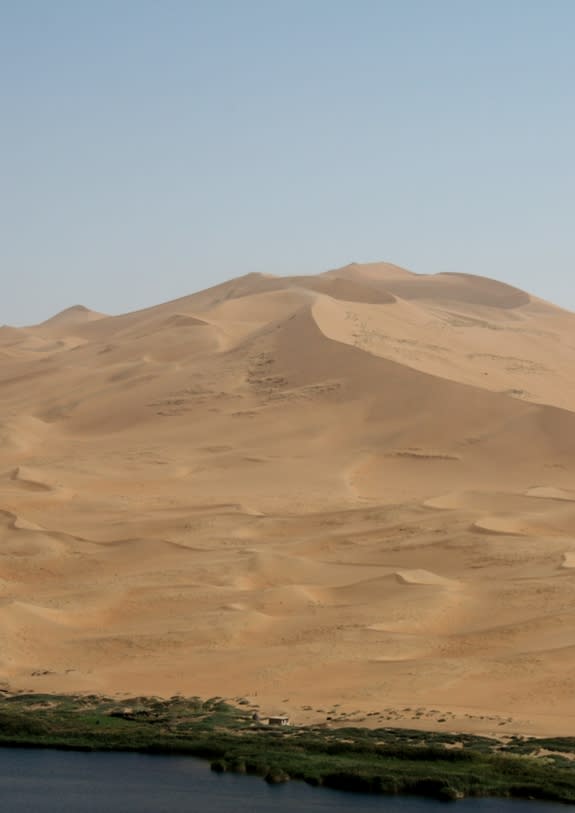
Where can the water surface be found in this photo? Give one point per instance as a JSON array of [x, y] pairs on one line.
[[49, 781]]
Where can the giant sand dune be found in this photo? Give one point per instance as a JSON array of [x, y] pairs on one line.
[[345, 494]]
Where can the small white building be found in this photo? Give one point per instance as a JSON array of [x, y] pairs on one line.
[[281, 720]]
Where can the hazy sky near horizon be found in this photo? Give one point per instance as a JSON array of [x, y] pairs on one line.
[[150, 148]]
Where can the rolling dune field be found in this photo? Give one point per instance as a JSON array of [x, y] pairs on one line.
[[349, 495]]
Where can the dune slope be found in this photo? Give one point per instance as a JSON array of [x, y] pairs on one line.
[[353, 490]]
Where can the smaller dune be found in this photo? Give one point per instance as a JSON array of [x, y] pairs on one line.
[[23, 524], [235, 606], [423, 454], [504, 526], [269, 570], [424, 577], [287, 600], [551, 493], [558, 520], [184, 320], [22, 433], [463, 288], [21, 538], [446, 502], [24, 610], [67, 319], [375, 272], [30, 479], [31, 544], [348, 290], [385, 587]]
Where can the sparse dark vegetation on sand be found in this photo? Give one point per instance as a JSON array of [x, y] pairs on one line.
[[383, 760]]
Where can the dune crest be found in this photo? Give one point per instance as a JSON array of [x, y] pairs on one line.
[[366, 474]]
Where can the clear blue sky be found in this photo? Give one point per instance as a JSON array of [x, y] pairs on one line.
[[150, 148]]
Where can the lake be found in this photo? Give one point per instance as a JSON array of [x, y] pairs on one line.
[[49, 781]]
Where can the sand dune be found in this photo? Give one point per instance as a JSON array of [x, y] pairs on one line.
[[352, 488], [67, 321]]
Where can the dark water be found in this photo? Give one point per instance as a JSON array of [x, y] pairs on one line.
[[38, 781]]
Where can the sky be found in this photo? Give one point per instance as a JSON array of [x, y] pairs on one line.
[[152, 148]]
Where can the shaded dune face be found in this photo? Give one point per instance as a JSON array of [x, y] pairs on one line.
[[356, 488]]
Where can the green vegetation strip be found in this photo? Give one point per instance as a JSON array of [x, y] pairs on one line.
[[383, 760]]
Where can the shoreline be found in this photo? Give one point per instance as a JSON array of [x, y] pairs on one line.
[[384, 760]]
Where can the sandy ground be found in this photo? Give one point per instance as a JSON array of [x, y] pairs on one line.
[[342, 496]]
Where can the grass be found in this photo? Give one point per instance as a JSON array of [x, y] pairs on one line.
[[383, 760]]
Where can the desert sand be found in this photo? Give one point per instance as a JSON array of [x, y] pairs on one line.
[[351, 493]]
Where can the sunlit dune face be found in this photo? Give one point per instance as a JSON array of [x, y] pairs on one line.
[[350, 491]]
